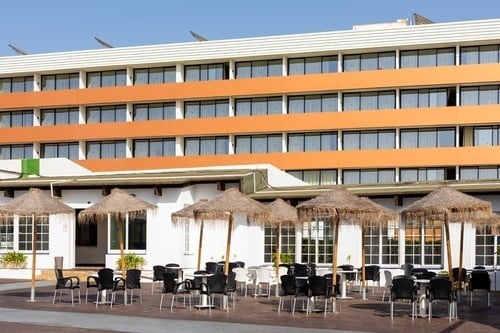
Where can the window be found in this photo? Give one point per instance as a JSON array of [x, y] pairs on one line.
[[69, 150], [301, 142], [16, 152], [369, 176], [271, 242], [107, 79], [428, 58], [479, 54], [106, 149], [426, 174], [423, 243], [26, 233], [369, 100], [382, 243], [486, 244], [369, 61], [316, 177], [16, 84], [369, 140], [134, 232], [425, 98], [154, 147], [154, 75], [7, 233], [259, 68], [317, 242], [483, 172], [258, 106], [63, 116], [206, 72], [312, 65], [16, 118], [156, 111], [312, 103], [480, 95], [251, 144], [486, 136], [427, 138], [106, 114], [206, 145], [60, 81], [206, 109]]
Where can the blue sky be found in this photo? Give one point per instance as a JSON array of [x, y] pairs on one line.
[[37, 26]]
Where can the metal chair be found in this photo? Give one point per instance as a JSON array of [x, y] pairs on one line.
[[480, 280], [318, 287], [105, 283], [171, 287], [288, 288], [403, 288], [66, 283], [372, 273], [440, 288], [158, 271]]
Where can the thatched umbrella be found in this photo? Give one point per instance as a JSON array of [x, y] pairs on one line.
[[224, 206], [120, 203], [280, 212], [335, 206], [447, 204], [186, 214], [35, 203]]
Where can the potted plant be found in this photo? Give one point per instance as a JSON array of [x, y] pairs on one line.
[[131, 260], [14, 259]]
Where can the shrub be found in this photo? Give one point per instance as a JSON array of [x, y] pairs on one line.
[[14, 259], [131, 260]]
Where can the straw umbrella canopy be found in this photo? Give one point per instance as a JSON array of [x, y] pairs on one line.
[[281, 212], [119, 203], [447, 204], [186, 214], [335, 206], [35, 203], [224, 206]]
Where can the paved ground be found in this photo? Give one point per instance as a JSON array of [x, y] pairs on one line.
[[250, 315]]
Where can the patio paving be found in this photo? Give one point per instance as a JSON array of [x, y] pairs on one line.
[[250, 315]]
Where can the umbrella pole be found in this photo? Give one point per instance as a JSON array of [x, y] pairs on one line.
[[228, 245], [200, 243], [363, 262], [33, 259], [122, 257], [277, 259], [448, 246], [335, 247], [461, 253]]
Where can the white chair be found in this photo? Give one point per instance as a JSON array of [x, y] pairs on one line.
[[388, 282], [323, 271], [265, 279], [242, 278]]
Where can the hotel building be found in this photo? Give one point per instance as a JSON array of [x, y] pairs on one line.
[[389, 110]]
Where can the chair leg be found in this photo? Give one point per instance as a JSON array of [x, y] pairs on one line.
[[430, 311], [54, 299], [172, 303], [161, 300], [392, 310]]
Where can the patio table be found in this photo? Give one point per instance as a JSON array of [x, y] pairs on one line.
[[422, 297], [204, 304]]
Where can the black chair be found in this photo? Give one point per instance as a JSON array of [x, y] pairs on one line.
[[480, 280], [174, 288], [418, 271], [118, 285], [92, 282], [288, 288], [66, 283], [299, 269], [463, 284], [211, 267], [301, 291], [440, 288], [403, 288], [427, 275], [105, 280], [174, 269], [231, 287], [240, 264], [372, 273], [318, 287], [334, 291], [311, 269], [197, 281], [407, 269], [158, 271], [216, 285], [133, 281], [349, 277]]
